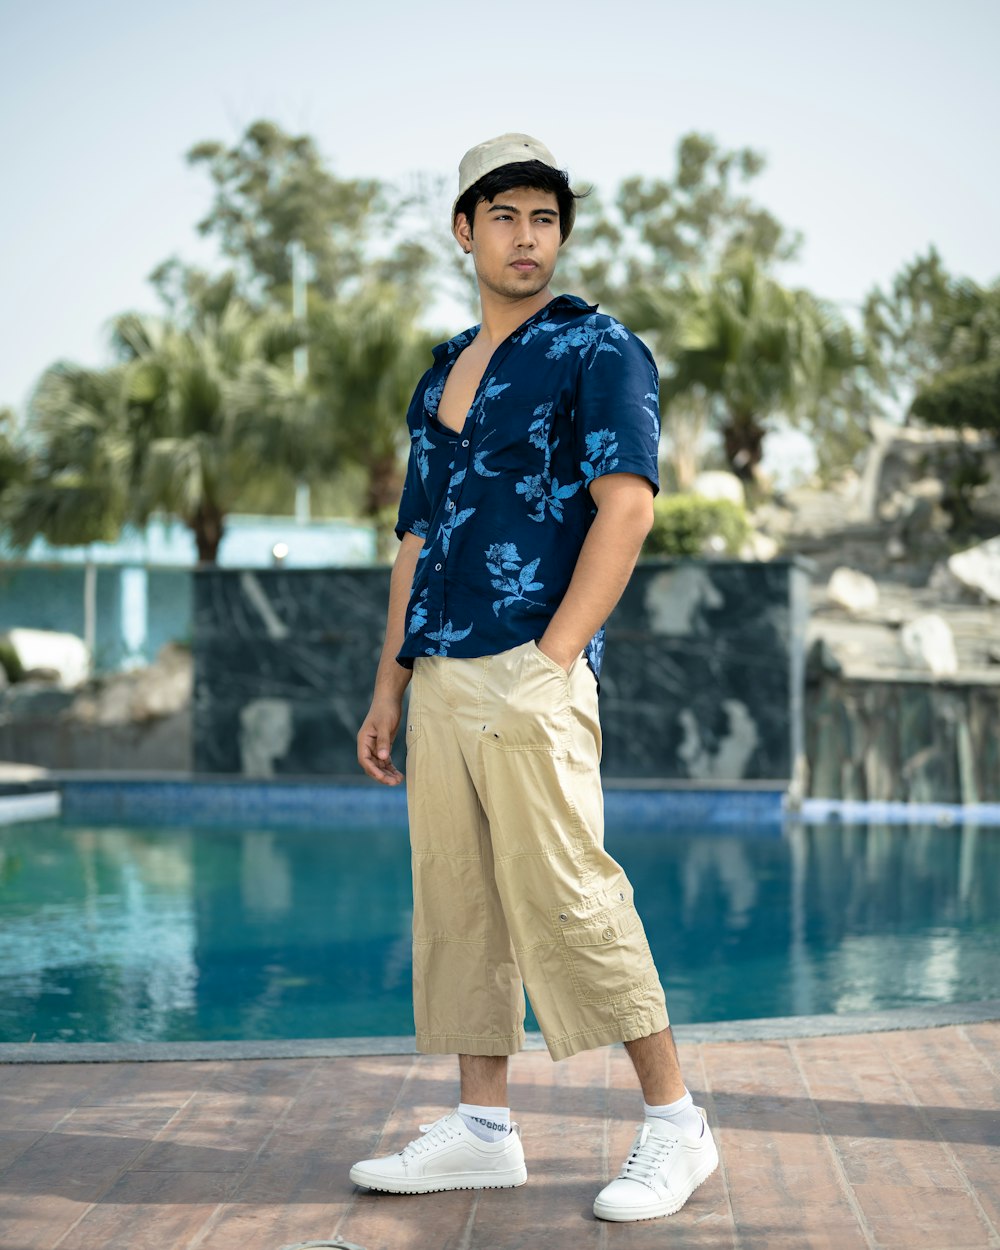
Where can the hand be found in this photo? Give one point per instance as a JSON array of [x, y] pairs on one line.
[[375, 740], [563, 662]]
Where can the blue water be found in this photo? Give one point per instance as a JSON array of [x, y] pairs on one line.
[[126, 934]]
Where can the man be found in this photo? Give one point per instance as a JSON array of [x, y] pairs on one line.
[[529, 489]]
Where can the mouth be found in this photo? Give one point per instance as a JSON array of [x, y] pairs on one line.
[[524, 266]]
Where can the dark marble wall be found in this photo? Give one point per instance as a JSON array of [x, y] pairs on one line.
[[702, 677], [918, 740]]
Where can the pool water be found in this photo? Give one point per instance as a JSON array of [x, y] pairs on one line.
[[139, 934]]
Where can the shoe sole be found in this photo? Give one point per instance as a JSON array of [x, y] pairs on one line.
[[618, 1216], [438, 1184]]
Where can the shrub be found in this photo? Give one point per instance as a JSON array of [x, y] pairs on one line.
[[9, 661], [689, 525]]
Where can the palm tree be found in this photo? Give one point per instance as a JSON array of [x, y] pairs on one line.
[[212, 405], [72, 487], [758, 349], [366, 355]]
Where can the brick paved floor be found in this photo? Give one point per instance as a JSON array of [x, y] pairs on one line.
[[887, 1139]]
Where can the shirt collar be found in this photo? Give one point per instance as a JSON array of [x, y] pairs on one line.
[[460, 341]]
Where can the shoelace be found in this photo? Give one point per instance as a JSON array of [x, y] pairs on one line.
[[647, 1156], [435, 1134]]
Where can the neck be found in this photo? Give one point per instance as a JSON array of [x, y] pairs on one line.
[[501, 315]]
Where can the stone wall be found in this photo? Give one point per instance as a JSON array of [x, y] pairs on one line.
[[912, 739], [702, 680]]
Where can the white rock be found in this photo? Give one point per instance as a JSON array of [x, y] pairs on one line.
[[978, 568], [852, 590], [42, 648], [717, 484], [759, 547], [895, 548], [929, 643], [143, 694]]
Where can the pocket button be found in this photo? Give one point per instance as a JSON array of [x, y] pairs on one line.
[[608, 935]]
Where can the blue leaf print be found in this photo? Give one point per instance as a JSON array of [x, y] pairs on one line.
[[589, 337], [501, 557], [527, 573], [601, 458], [478, 464], [422, 446], [540, 327], [504, 558], [538, 430], [461, 341], [551, 501], [652, 413], [419, 528], [491, 390], [432, 397], [454, 520], [531, 487], [456, 479], [445, 636], [418, 617]]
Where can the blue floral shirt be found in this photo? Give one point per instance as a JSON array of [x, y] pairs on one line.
[[504, 505]]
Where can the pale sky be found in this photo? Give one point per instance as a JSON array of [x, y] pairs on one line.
[[878, 121]]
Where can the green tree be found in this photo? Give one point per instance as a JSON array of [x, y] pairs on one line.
[[965, 397], [273, 188], [73, 485], [366, 355], [213, 405], [757, 350], [658, 233], [13, 463], [963, 392]]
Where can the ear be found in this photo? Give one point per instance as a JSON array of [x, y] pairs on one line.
[[462, 232]]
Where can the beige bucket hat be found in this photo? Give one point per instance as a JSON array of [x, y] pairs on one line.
[[503, 150]]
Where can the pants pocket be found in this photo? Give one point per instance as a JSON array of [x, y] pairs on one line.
[[604, 944], [528, 708]]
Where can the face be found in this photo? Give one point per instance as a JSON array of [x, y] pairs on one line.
[[515, 241]]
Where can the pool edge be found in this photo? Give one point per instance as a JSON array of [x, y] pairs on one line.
[[777, 1028]]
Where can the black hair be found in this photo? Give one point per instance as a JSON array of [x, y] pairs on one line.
[[534, 174]]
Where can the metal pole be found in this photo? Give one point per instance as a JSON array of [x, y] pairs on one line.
[[300, 360], [90, 610]]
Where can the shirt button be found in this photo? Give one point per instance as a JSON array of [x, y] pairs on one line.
[[465, 442], [437, 568], [451, 504]]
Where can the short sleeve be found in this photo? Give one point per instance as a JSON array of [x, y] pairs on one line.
[[616, 410], [414, 506]]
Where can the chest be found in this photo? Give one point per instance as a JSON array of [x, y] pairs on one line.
[[461, 386]]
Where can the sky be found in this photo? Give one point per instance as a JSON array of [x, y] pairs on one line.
[[876, 119]]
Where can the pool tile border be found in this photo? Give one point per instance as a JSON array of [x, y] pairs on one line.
[[778, 1028]]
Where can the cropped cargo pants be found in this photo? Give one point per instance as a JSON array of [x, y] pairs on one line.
[[512, 887]]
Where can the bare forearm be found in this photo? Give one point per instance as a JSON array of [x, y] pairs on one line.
[[602, 572]]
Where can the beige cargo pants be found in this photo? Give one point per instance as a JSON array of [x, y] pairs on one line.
[[510, 876]]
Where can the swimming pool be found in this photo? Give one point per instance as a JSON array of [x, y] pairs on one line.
[[127, 932]]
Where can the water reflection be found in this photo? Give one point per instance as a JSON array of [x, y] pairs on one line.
[[141, 934]]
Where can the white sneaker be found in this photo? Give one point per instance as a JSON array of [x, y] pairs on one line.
[[448, 1156], [662, 1172]]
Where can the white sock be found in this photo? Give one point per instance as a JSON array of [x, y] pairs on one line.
[[488, 1123], [682, 1114]]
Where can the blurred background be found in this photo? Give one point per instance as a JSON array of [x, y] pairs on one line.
[[227, 254]]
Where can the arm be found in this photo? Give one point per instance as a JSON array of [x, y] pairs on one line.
[[379, 728], [608, 555]]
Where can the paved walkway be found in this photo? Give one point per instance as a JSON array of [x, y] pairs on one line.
[[884, 1139]]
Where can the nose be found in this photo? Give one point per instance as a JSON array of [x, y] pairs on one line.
[[524, 236]]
